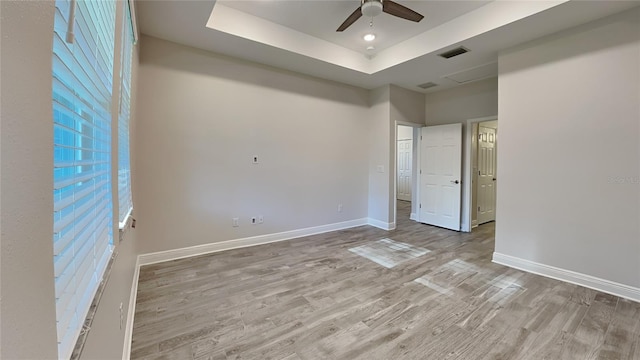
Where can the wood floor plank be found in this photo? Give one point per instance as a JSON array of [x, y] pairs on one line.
[[623, 329], [588, 340], [437, 295]]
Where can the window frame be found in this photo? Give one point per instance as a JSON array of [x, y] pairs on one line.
[[128, 41], [86, 135]]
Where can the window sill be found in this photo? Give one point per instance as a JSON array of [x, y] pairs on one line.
[[122, 225], [126, 224]]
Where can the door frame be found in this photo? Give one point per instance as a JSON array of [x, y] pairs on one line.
[[467, 190], [415, 157]]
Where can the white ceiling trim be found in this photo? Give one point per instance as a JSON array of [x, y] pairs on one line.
[[250, 27], [486, 18]]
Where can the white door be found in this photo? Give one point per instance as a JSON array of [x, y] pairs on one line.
[[440, 174], [486, 174], [405, 150]]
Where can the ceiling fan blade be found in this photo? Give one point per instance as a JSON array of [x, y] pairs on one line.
[[395, 9], [351, 19]]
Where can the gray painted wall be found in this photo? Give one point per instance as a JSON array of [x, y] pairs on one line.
[[202, 117], [569, 158]]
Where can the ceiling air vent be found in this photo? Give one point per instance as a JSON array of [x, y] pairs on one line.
[[454, 52], [427, 85]]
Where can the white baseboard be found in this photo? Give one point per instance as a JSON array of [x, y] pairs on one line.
[[610, 287], [474, 223], [381, 224], [128, 331], [413, 217], [156, 257]]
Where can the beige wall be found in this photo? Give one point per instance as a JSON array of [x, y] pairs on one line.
[[569, 159], [27, 296], [202, 117], [470, 101]]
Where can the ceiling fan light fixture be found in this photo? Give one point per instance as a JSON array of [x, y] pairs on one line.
[[369, 37], [371, 8]]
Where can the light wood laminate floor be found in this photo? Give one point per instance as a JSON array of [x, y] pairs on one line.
[[437, 295]]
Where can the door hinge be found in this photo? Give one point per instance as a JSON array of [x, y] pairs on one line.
[[420, 137], [420, 206], [420, 171], [478, 208]]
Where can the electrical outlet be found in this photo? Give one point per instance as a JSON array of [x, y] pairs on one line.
[[235, 222], [339, 207], [254, 220], [260, 219]]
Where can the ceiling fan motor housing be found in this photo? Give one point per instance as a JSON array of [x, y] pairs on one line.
[[371, 8]]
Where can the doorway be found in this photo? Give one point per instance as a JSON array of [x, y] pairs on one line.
[[404, 163], [480, 165], [484, 190], [405, 179]]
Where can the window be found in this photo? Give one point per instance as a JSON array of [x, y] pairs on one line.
[[125, 204], [83, 210]]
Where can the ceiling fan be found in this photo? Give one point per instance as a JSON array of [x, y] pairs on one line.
[[373, 8]]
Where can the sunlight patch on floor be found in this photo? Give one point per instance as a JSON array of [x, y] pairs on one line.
[[461, 278], [389, 253]]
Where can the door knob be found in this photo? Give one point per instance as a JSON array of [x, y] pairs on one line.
[[455, 182]]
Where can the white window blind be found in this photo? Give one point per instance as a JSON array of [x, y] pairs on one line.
[[125, 204], [82, 92]]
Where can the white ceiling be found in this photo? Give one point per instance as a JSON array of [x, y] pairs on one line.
[[328, 15], [299, 35]]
